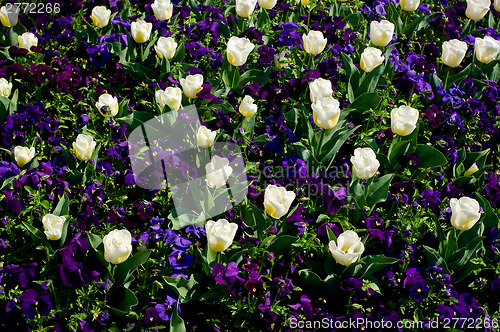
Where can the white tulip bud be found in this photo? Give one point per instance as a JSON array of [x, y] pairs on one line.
[[404, 120], [477, 9], [26, 40], [84, 147], [23, 155], [364, 163], [238, 50], [247, 107], [464, 213], [277, 201], [487, 49], [381, 32], [218, 171], [314, 42], [5, 88], [347, 249], [267, 4], [245, 8], [205, 137], [191, 85], [320, 88], [170, 96], [100, 16], [162, 9], [409, 5], [220, 234], [453, 52], [9, 17], [371, 58], [107, 105], [141, 31], [117, 246], [53, 226], [165, 47], [326, 112]]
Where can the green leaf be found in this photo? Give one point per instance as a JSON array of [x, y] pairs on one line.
[[139, 72], [254, 219], [366, 101], [248, 125], [4, 109], [338, 141], [489, 218], [282, 243], [434, 258], [179, 55], [121, 300], [352, 74], [459, 77], [38, 236], [451, 245], [176, 322], [124, 270], [62, 208], [136, 119], [370, 82], [370, 265], [417, 24], [64, 232], [331, 235], [429, 157], [68, 156], [378, 190], [13, 102], [184, 287], [263, 19]]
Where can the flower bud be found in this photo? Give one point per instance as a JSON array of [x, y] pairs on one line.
[[218, 171], [205, 137], [247, 107], [117, 246], [347, 249], [84, 147], [496, 4], [238, 50], [267, 4], [277, 201], [381, 32], [364, 163], [162, 9], [326, 112], [100, 16], [472, 169], [53, 226], [26, 40], [464, 213], [220, 234], [9, 17], [171, 96], [371, 58], [279, 59], [23, 155], [314, 42], [477, 9], [245, 8], [487, 49], [409, 5], [191, 85], [5, 88], [165, 47], [302, 2], [404, 120], [453, 52], [320, 88], [107, 105], [141, 31]]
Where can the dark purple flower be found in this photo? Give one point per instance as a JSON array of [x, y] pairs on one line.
[[33, 301]]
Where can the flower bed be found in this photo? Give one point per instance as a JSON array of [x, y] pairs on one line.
[[249, 165]]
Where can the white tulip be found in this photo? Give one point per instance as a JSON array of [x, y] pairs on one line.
[[404, 120], [314, 42], [141, 31], [162, 9], [302, 2], [326, 112], [472, 169], [165, 47], [9, 17], [171, 96], [5, 88], [245, 8], [280, 58], [117, 246], [487, 49], [347, 249], [84, 147], [464, 213], [477, 9], [381, 32], [453, 52], [205, 137], [496, 4], [238, 50], [26, 40], [191, 85], [218, 171], [220, 234], [247, 107], [53, 226], [267, 4], [320, 88], [364, 163], [371, 58], [277, 201], [100, 16], [109, 103], [409, 5], [23, 155]]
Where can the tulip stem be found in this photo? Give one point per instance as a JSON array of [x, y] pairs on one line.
[[320, 145]]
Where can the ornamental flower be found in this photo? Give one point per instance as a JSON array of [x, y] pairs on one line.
[[320, 88], [162, 9], [205, 137], [496, 4], [141, 30], [220, 234], [23, 155], [9, 17], [117, 246], [453, 52], [26, 40], [371, 58], [107, 105], [247, 107], [100, 16], [84, 147], [165, 47], [171, 96], [314, 42], [238, 50], [364, 163], [277, 201], [347, 249], [302, 2], [409, 5], [5, 88], [404, 120], [464, 213], [191, 85], [267, 4], [53, 226], [471, 170], [477, 9], [326, 112], [487, 49], [218, 171], [381, 32], [244, 8], [280, 58]]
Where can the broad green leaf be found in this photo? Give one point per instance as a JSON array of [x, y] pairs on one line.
[[282, 243], [62, 208], [429, 157], [124, 270]]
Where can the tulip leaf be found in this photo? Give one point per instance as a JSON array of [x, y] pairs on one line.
[[393, 16], [331, 235], [429, 157], [139, 72], [121, 300], [378, 190], [263, 19], [68, 156], [176, 322], [451, 245], [282, 243], [62, 208], [64, 233], [365, 101], [4, 108], [370, 265], [38, 235], [369, 83], [136, 119], [184, 287], [124, 270], [254, 219], [489, 218], [337, 141], [352, 73], [417, 24], [248, 125]]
